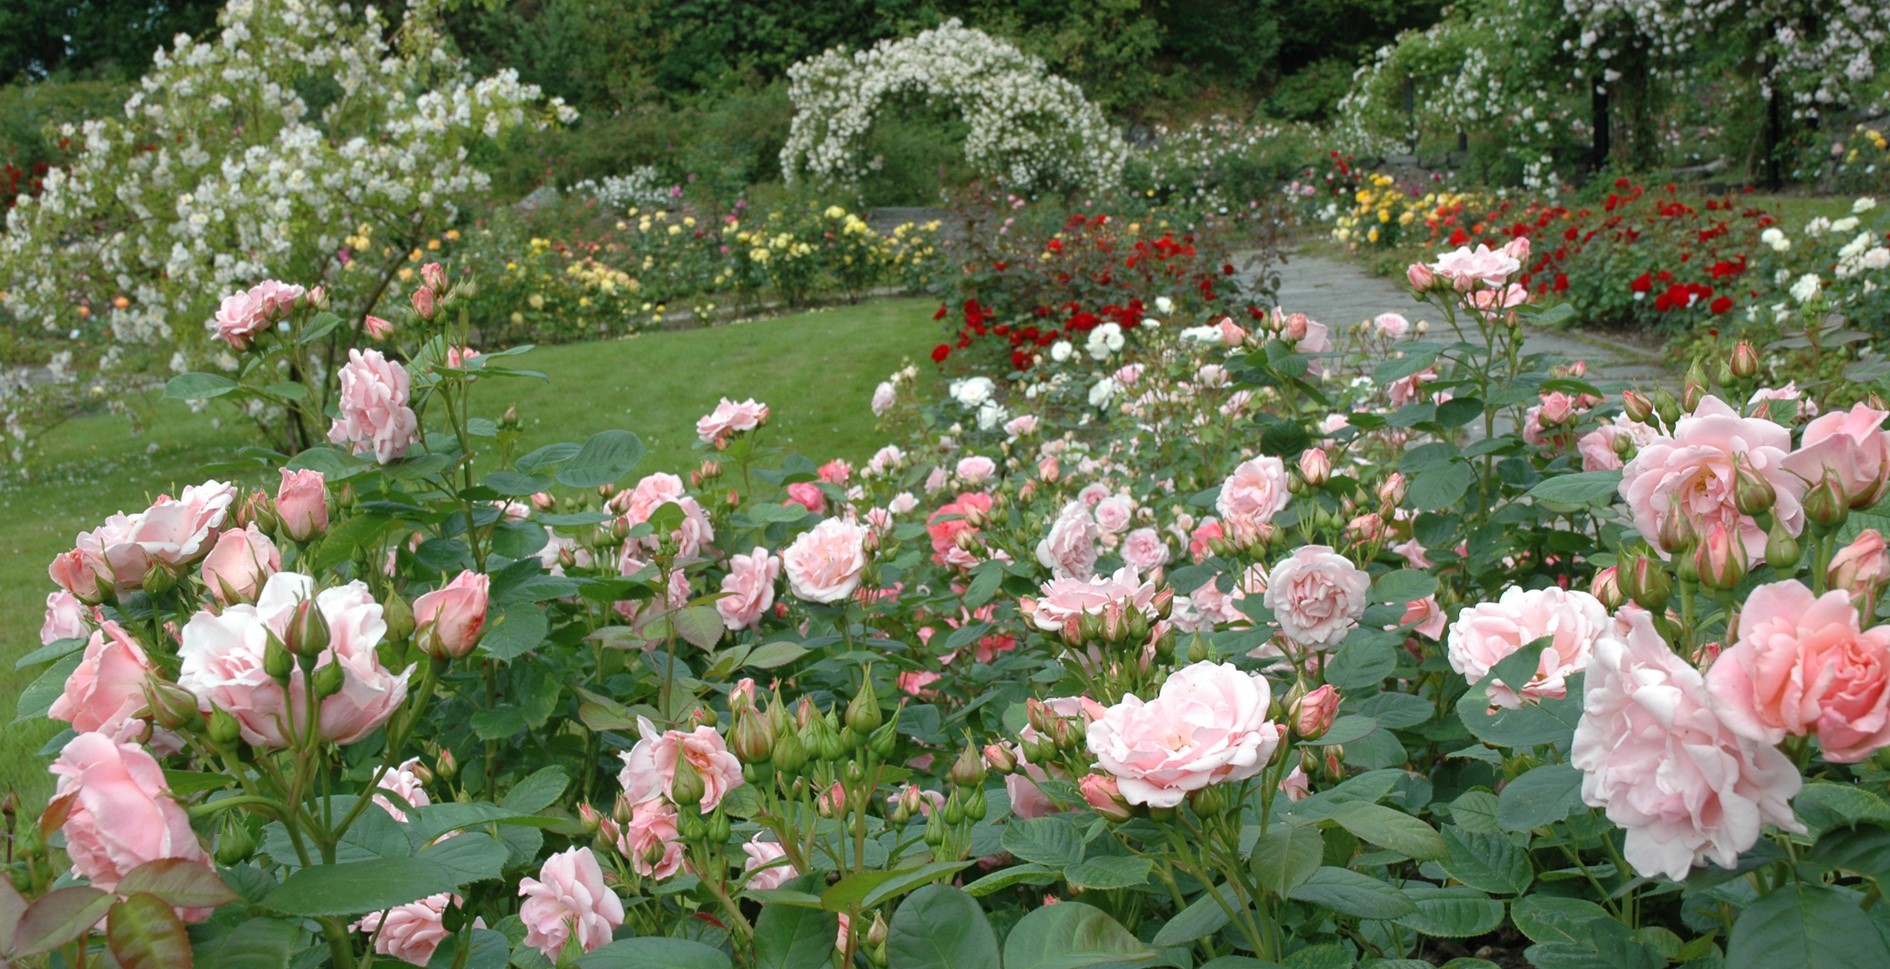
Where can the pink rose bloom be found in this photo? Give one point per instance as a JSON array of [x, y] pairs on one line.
[[1666, 768], [651, 842], [1597, 449], [1390, 325], [449, 619], [1255, 492], [1852, 446], [302, 504], [1426, 617], [652, 491], [107, 688], [1803, 664], [1695, 467], [886, 460], [884, 397], [730, 418], [1487, 632], [835, 472], [1069, 551], [807, 495], [748, 588], [1465, 268], [1068, 598], [408, 793], [767, 865], [1231, 333], [175, 531], [1144, 551], [1757, 404], [1020, 425], [65, 618], [239, 564], [825, 563], [975, 469], [1860, 568], [1296, 785], [568, 900], [1208, 725], [1317, 339], [375, 418], [1317, 596], [903, 503], [408, 932], [1115, 514], [951, 522], [1202, 537], [649, 768], [1092, 493], [1410, 389], [243, 315], [222, 663], [121, 814], [936, 480]]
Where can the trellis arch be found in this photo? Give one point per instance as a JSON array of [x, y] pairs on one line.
[[1028, 127]]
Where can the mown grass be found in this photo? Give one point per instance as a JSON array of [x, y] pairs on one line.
[[816, 370]]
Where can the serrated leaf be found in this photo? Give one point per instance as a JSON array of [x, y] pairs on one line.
[[1584, 488], [197, 386], [1109, 872], [1203, 917], [517, 630], [1806, 924], [1072, 935], [1486, 861], [144, 933], [179, 882], [1286, 855], [1541, 796], [1451, 913], [940, 927], [607, 456], [1029, 873], [1389, 828], [1350, 893], [1047, 841]]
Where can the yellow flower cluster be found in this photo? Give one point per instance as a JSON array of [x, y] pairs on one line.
[[1384, 215], [598, 276]]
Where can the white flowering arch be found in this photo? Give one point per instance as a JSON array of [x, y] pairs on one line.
[[1028, 127]]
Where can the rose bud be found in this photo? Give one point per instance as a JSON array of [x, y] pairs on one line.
[[1752, 494], [1315, 467], [1745, 360], [752, 740], [1638, 407], [1606, 587], [1862, 568], [308, 630], [302, 504], [1313, 713], [1721, 558], [377, 328], [1000, 757], [968, 770], [434, 276], [423, 303], [451, 618], [239, 563], [1781, 546], [1420, 277], [1825, 503]]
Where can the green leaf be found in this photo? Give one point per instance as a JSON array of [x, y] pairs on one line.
[[791, 937], [179, 882], [320, 325], [1864, 849], [904, 881], [38, 697], [546, 458], [354, 888], [511, 484], [58, 917], [1486, 861], [1402, 586], [1549, 721], [1347, 729], [651, 951], [607, 456], [1451, 913], [1440, 487], [258, 943], [345, 538], [1047, 841], [1029, 873], [1390, 828], [1539, 797], [1360, 665], [700, 625], [767, 656], [51, 651], [1584, 488], [1287, 855], [1109, 871], [1203, 917], [1397, 368], [12, 907], [144, 933], [1350, 893], [1823, 804], [287, 390], [1072, 935], [940, 927], [984, 585], [518, 629], [197, 386], [1554, 918], [1806, 924], [538, 791]]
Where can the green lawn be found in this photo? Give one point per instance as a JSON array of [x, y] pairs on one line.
[[815, 370]]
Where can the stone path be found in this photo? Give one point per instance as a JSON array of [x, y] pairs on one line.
[[1340, 294]]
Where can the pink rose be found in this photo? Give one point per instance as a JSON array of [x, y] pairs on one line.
[[302, 504], [1686, 788], [409, 932], [835, 472], [1069, 598], [1861, 568], [975, 469], [1419, 276], [434, 276], [568, 900], [649, 768], [1255, 492], [117, 554], [884, 397], [121, 813], [954, 526], [1425, 617], [1144, 551], [375, 418], [1486, 633], [239, 564], [1409, 389], [807, 495], [1465, 268], [377, 328], [1695, 468], [1020, 425], [730, 418], [1390, 325], [1208, 725], [1115, 514], [1069, 550], [653, 491], [1597, 449], [404, 784], [748, 588], [1317, 596], [107, 688], [1104, 796], [65, 618], [825, 563], [449, 619], [1802, 664], [767, 865], [243, 315], [1852, 446], [651, 842]]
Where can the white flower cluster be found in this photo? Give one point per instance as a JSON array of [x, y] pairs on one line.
[[1028, 128], [642, 188], [261, 151]]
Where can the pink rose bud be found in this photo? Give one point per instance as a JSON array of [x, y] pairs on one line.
[[1721, 557], [1419, 276], [378, 329], [1104, 796], [302, 504], [1638, 406], [1314, 713], [1391, 490], [1231, 333], [423, 303], [1862, 568], [451, 617], [238, 565], [1518, 248], [1606, 587], [434, 275], [318, 297], [1315, 467], [808, 495]]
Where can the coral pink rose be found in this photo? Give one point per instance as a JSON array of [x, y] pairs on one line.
[[450, 619], [1255, 492], [748, 588], [1654, 755], [1144, 551], [375, 416], [730, 418], [651, 842], [1695, 468], [825, 563], [1069, 550], [1208, 725], [302, 504], [1852, 446], [568, 900], [807, 495], [1317, 596], [767, 865], [121, 812], [948, 526], [409, 932], [1486, 633], [107, 688], [1801, 665], [239, 564], [649, 768], [64, 619]]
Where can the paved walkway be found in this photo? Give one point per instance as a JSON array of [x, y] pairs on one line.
[[1340, 294]]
